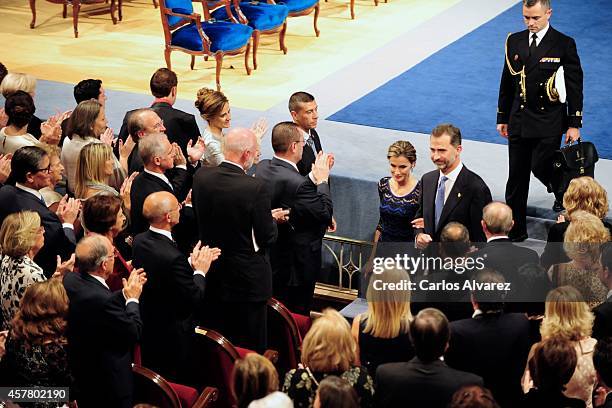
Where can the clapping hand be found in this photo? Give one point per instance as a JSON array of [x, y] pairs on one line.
[[179, 157], [260, 128], [125, 190], [203, 256], [321, 167], [107, 137], [68, 209], [195, 151], [132, 286], [51, 130], [64, 267], [126, 148], [5, 167]]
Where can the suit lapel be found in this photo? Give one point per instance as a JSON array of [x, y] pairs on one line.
[[93, 280], [542, 49], [317, 140], [277, 162], [454, 198], [430, 186], [159, 181]]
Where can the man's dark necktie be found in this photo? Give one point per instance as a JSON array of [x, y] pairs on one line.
[[534, 44]]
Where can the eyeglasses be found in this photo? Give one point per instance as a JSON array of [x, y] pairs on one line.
[[158, 125], [45, 170]]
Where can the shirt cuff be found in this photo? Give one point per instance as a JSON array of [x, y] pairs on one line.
[[199, 272], [68, 225], [131, 300], [312, 178], [181, 166], [188, 205]]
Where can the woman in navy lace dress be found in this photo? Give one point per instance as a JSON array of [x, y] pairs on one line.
[[399, 195]]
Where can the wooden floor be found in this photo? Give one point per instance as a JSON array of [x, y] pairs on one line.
[[125, 55]]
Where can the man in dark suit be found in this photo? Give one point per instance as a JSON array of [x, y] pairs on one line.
[[500, 253], [602, 327], [451, 193], [425, 381], [233, 214], [602, 360], [296, 256], [165, 169], [103, 327], [141, 123], [174, 290], [532, 111], [490, 340], [181, 127], [30, 168]]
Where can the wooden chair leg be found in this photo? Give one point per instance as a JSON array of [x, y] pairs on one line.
[[167, 52], [316, 18], [192, 62], [120, 3], [352, 9], [206, 58], [113, 9], [76, 6], [65, 10], [375, 2], [33, 8], [281, 38], [256, 35], [246, 58], [219, 59], [155, 3]]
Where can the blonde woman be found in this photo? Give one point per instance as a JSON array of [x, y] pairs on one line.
[[568, 317], [255, 384], [328, 349], [21, 237], [381, 333], [582, 243], [583, 194], [95, 167]]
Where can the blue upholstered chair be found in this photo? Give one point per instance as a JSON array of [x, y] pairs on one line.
[[263, 18], [299, 8], [184, 31]]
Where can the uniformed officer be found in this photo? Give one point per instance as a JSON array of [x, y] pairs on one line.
[[532, 113]]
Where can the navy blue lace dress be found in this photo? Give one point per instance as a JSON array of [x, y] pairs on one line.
[[397, 213]]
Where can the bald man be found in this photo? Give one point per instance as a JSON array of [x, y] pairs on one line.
[[233, 213], [103, 326], [174, 291], [500, 253]]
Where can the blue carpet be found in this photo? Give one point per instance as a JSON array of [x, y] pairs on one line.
[[460, 83]]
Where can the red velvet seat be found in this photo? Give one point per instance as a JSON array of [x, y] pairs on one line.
[[216, 356], [153, 389], [285, 333]]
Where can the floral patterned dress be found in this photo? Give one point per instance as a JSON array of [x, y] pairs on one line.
[[301, 385], [16, 274]]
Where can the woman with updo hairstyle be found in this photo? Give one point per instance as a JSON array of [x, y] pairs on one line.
[[214, 108], [399, 195], [582, 243], [583, 194], [36, 349], [567, 318], [255, 384], [94, 170], [102, 214], [334, 392], [19, 107], [16, 81], [328, 349]]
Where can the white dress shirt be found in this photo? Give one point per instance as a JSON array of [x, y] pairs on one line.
[[450, 180], [497, 237], [539, 35]]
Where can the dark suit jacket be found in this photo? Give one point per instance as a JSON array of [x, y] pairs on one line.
[[230, 209], [180, 126], [419, 384], [538, 117], [602, 327], [464, 204], [58, 240], [102, 332], [298, 246], [145, 184], [495, 347], [505, 257], [168, 303], [308, 156]]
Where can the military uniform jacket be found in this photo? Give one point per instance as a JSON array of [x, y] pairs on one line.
[[531, 112]]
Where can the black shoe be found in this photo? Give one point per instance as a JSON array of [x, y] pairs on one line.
[[519, 238], [558, 206]]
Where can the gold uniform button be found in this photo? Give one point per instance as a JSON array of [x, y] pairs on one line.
[[521, 94]]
